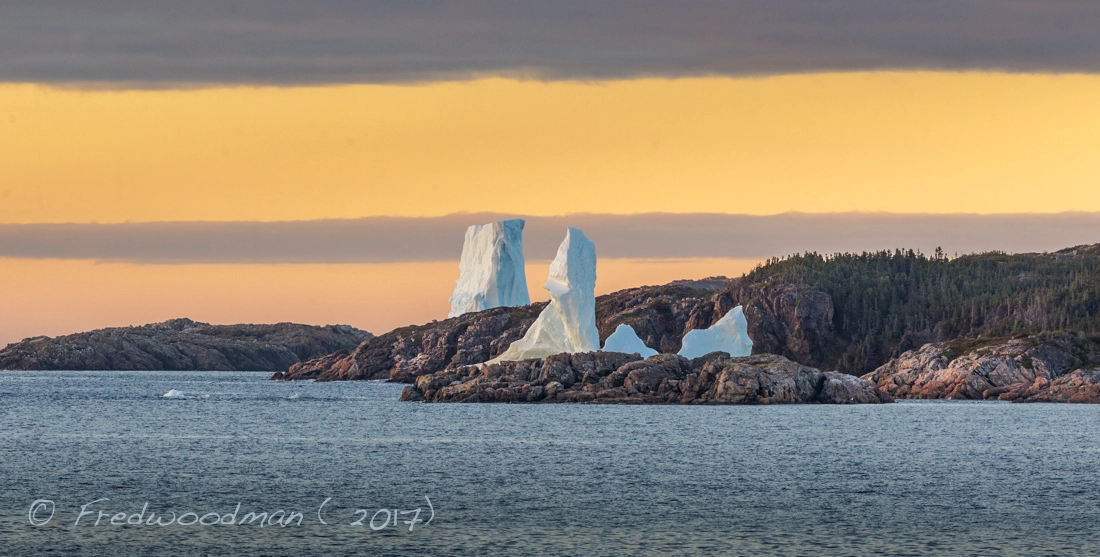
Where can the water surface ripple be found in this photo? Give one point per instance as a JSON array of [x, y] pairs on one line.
[[910, 478]]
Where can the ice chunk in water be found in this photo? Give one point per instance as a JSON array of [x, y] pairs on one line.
[[729, 334], [625, 340], [568, 324], [491, 273]]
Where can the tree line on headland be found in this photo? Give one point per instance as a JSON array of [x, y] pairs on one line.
[[887, 302]]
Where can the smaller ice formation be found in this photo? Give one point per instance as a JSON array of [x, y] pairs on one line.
[[729, 334], [491, 272], [568, 324], [625, 340], [173, 394]]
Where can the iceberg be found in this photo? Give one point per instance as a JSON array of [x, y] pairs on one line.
[[490, 273], [173, 394], [729, 334], [568, 324], [625, 340]]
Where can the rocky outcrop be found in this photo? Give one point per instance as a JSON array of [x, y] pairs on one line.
[[182, 345], [790, 320], [1081, 386], [611, 377], [336, 362], [402, 354], [996, 369]]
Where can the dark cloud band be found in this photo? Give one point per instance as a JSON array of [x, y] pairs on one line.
[[655, 236], [331, 41]]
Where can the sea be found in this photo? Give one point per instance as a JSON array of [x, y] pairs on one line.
[[102, 463]]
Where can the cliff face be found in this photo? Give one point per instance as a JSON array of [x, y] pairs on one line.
[[1034, 368], [791, 320], [182, 345], [615, 378]]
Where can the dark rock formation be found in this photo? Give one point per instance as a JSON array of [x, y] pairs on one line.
[[611, 377], [315, 366], [404, 353], [182, 345], [1024, 368], [791, 320]]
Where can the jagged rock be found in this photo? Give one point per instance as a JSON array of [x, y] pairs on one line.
[[729, 334], [491, 272], [337, 362], [625, 340], [787, 320], [614, 377], [402, 354], [1080, 386], [182, 345], [988, 369], [568, 324]]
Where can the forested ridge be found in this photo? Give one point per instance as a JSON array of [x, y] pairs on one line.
[[887, 302]]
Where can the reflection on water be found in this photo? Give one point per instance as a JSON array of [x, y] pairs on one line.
[[912, 478]]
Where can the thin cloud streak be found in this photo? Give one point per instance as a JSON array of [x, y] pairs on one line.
[[643, 236], [126, 42]]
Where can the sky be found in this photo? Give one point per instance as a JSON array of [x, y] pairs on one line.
[[317, 162]]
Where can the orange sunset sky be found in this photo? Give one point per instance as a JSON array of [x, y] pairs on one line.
[[875, 141], [264, 113]]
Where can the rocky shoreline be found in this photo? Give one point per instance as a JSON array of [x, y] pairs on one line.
[[1059, 367], [616, 378], [182, 345]]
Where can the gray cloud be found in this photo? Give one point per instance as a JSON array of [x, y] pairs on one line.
[[330, 41], [656, 236]]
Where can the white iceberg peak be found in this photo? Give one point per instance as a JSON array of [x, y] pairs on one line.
[[625, 340], [173, 394], [568, 324], [491, 272], [728, 334]]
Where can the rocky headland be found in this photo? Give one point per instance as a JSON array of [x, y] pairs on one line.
[[794, 321], [1057, 367], [999, 326], [616, 378], [182, 345]]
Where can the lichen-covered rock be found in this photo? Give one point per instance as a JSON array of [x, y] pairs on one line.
[[612, 377], [990, 369], [183, 345]]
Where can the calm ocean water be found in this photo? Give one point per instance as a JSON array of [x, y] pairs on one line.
[[911, 478]]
